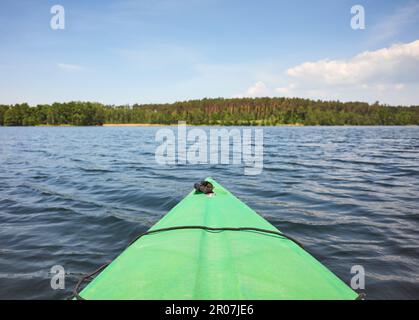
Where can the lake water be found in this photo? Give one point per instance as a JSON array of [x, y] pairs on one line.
[[76, 196]]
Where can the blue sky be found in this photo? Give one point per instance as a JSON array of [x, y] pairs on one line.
[[143, 51]]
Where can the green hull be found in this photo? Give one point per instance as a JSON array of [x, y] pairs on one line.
[[198, 264]]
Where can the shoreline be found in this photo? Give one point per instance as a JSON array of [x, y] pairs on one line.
[[191, 125], [205, 125], [136, 125]]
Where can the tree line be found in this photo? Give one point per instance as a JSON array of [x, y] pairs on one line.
[[220, 111]]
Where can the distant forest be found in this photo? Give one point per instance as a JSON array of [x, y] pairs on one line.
[[246, 111]]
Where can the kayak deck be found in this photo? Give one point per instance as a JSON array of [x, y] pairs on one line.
[[221, 265]]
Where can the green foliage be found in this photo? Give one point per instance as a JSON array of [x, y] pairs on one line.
[[20, 114], [3, 109], [247, 111], [72, 113]]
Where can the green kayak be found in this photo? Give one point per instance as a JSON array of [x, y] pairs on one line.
[[215, 247]]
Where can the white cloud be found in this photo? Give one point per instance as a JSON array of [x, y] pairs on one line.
[[389, 75], [69, 67], [398, 63], [259, 89]]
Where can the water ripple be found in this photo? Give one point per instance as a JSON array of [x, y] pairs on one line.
[[77, 196]]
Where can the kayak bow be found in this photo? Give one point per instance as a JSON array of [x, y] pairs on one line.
[[215, 247]]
